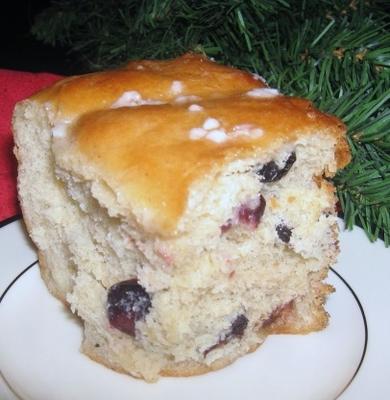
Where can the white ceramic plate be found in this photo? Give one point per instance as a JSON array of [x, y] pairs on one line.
[[40, 358]]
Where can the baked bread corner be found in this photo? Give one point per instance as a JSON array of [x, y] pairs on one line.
[[182, 209]]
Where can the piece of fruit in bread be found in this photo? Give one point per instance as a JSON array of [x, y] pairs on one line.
[[181, 208]]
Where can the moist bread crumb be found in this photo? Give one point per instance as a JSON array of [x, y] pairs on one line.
[[180, 208]]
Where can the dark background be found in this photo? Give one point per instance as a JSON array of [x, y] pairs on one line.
[[20, 51]]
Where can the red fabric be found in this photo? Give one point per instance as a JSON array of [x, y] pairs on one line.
[[14, 86]]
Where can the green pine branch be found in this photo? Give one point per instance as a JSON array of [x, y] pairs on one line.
[[336, 53]]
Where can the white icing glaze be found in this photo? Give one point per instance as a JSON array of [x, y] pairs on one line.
[[256, 132], [197, 133], [247, 130], [217, 136], [262, 92], [176, 87], [211, 123], [195, 108], [211, 130], [133, 99], [186, 99]]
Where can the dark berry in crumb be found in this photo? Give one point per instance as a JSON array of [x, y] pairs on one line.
[[252, 216], [271, 172], [239, 325], [284, 232], [268, 172], [226, 226], [237, 330], [127, 302]]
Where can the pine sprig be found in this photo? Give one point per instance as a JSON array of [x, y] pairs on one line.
[[336, 53]]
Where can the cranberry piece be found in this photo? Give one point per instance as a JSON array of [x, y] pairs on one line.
[[271, 172], [237, 329], [284, 232], [249, 214], [252, 215], [278, 312], [226, 226], [127, 302], [239, 325]]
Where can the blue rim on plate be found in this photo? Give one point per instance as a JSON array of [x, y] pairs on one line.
[[7, 221]]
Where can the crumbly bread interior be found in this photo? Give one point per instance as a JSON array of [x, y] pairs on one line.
[[219, 268]]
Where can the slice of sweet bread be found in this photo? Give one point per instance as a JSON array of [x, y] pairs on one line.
[[181, 208]]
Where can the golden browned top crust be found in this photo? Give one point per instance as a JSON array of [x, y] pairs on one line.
[[197, 75], [153, 127]]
